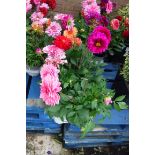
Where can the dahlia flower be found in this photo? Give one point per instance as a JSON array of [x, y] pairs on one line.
[[59, 16], [119, 18], [115, 24], [28, 5], [97, 42], [93, 8], [52, 4], [49, 70], [36, 2], [49, 90], [37, 26], [63, 42], [107, 100], [103, 30], [125, 34], [36, 16], [54, 51], [70, 33], [54, 29], [77, 41], [93, 18], [109, 7], [43, 8], [87, 2]]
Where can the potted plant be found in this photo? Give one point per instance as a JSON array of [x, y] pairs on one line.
[[37, 35]]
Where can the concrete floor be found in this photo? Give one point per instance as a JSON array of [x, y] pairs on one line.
[[41, 144], [38, 144]]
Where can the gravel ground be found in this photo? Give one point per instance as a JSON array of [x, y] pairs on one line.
[[41, 144]]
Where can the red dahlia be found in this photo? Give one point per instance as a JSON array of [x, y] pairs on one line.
[[119, 18], [52, 4], [63, 42], [125, 34], [43, 10]]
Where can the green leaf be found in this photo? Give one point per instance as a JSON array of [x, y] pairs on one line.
[[70, 114], [94, 104], [66, 85], [120, 98], [83, 83], [123, 105], [64, 97], [116, 106]]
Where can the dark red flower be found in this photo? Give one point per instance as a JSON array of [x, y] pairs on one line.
[[119, 18], [43, 1], [52, 4], [43, 10], [63, 42], [125, 34]]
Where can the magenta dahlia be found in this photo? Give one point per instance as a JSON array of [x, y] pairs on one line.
[[97, 42], [103, 30]]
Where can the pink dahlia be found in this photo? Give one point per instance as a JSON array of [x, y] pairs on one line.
[[28, 5], [107, 100], [115, 24], [36, 16], [59, 16], [43, 8], [54, 29], [36, 2], [50, 87], [38, 51], [87, 2], [93, 8], [56, 55], [103, 30], [97, 42], [109, 7], [49, 70]]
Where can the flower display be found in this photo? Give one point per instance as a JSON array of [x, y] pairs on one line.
[[115, 24], [63, 42], [54, 29], [97, 42]]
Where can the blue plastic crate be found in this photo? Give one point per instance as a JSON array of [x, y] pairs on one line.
[[113, 131]]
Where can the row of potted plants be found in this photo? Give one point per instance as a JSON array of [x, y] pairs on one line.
[[72, 86]]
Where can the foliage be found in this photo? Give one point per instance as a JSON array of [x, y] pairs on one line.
[[125, 69], [84, 90]]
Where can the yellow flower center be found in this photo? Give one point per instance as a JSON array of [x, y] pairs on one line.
[[98, 44]]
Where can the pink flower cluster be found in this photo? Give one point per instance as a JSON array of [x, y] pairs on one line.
[[67, 21], [50, 86]]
